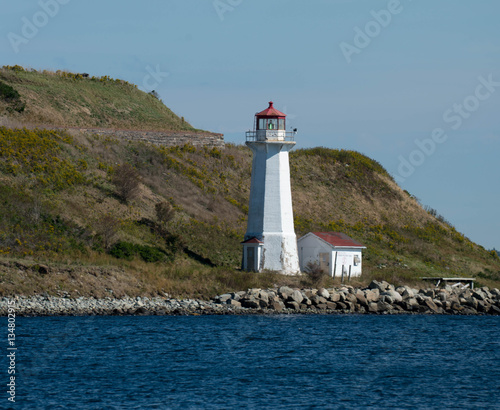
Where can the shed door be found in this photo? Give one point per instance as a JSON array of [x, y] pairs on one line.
[[324, 261]]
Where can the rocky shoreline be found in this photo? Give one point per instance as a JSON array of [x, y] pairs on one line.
[[377, 298]]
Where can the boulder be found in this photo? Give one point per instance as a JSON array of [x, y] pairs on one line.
[[323, 293], [309, 292], [483, 306], [479, 295], [372, 295], [351, 306], [408, 293], [400, 289], [277, 305], [263, 304], [293, 305], [431, 305], [383, 306], [351, 297], [396, 297], [468, 311], [331, 305], [315, 300], [471, 302], [285, 292], [361, 299], [263, 296], [334, 297], [249, 302], [141, 311], [456, 306], [442, 295], [382, 286], [373, 307], [225, 297], [428, 292], [296, 296], [387, 299], [494, 310], [234, 303]]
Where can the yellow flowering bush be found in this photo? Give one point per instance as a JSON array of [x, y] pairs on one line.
[[38, 153]]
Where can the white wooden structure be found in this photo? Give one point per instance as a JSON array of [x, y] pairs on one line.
[[336, 253], [270, 242]]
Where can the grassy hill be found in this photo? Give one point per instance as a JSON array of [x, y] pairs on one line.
[[93, 215], [67, 224], [70, 100]]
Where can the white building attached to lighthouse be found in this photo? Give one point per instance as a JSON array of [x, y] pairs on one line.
[[270, 242]]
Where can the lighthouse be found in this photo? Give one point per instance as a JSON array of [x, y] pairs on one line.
[[270, 242]]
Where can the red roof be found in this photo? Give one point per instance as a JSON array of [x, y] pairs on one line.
[[252, 240], [338, 239], [270, 112]]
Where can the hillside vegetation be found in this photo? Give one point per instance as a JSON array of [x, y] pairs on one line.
[[66, 99], [95, 215], [88, 214]]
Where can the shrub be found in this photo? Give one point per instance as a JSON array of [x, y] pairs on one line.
[[107, 227], [10, 95], [126, 180], [315, 273], [7, 92], [127, 250], [164, 212], [150, 254], [123, 250], [38, 154]]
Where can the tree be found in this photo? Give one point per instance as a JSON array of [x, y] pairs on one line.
[[107, 227], [164, 212], [126, 180]]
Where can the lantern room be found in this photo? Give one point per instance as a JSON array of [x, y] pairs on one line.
[[270, 125]]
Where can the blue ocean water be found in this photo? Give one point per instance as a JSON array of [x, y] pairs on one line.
[[219, 362]]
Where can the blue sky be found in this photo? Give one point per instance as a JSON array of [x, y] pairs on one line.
[[412, 84]]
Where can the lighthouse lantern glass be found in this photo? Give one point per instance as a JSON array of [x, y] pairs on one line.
[[271, 124]]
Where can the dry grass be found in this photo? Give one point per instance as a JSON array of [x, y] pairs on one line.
[[63, 100]]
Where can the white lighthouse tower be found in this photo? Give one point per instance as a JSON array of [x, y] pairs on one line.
[[270, 242]]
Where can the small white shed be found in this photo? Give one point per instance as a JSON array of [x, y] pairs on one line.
[[335, 252]]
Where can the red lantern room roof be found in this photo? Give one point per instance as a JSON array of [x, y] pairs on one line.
[[270, 112]]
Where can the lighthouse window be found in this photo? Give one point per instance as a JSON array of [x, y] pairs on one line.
[[262, 124], [272, 124], [281, 124]]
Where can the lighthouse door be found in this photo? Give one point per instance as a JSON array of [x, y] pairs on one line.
[[250, 258]]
